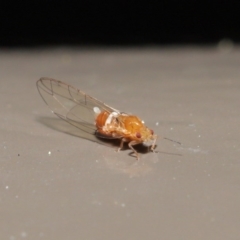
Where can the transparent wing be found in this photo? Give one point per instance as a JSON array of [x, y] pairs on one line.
[[71, 104]]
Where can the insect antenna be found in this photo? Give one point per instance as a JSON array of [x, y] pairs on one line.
[[172, 141]]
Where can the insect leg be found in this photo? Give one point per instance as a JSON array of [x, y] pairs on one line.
[[131, 144], [123, 140], [154, 143]]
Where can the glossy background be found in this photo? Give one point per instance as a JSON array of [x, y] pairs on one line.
[[58, 186]]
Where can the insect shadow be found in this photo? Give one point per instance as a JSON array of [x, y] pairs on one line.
[[65, 127], [62, 126]]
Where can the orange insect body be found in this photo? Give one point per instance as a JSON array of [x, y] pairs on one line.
[[127, 127], [93, 116]]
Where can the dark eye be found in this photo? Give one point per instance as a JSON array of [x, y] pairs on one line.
[[151, 131], [138, 135]]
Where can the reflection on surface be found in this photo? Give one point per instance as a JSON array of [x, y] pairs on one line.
[[125, 163], [120, 162]]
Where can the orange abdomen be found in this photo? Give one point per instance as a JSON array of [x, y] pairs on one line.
[[101, 119]]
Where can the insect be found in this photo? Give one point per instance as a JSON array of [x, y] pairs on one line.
[[93, 116]]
